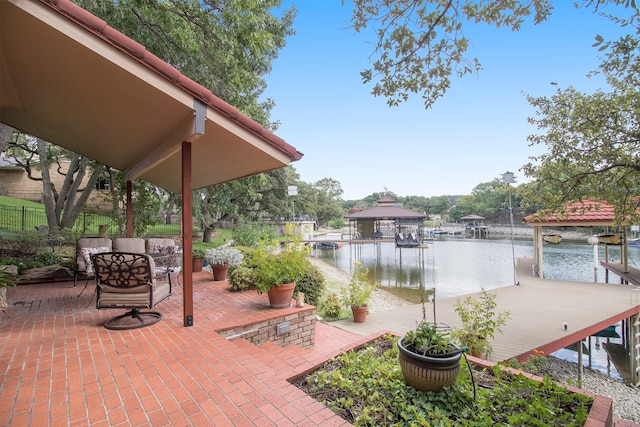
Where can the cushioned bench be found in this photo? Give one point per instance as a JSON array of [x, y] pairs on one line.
[[87, 246]]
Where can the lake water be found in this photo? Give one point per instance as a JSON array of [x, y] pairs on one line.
[[460, 266]]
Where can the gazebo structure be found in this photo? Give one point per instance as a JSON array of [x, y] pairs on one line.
[[474, 224], [70, 79], [384, 221]]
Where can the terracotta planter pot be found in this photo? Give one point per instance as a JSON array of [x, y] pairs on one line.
[[359, 313], [219, 272], [281, 296], [429, 373], [197, 264]]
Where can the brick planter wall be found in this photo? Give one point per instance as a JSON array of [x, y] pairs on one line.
[[301, 329]]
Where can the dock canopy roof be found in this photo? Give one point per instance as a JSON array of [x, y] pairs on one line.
[[69, 78], [585, 213], [386, 212]]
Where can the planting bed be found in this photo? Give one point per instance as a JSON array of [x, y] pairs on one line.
[[366, 387]]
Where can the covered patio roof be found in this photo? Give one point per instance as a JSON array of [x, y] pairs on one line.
[[69, 78]]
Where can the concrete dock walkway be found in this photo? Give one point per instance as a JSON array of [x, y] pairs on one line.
[[539, 308]]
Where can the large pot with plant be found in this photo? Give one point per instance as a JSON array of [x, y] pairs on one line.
[[480, 322], [357, 293], [277, 268], [220, 259], [197, 257], [429, 360]]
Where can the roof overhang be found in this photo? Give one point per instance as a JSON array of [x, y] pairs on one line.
[[68, 78], [584, 213]]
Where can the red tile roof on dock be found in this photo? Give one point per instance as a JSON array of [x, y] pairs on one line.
[[579, 213]]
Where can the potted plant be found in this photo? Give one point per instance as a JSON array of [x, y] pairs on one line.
[[221, 259], [7, 280], [429, 360], [358, 292], [276, 269], [197, 256], [480, 322]]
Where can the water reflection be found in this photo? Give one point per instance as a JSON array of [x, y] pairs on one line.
[[461, 266]]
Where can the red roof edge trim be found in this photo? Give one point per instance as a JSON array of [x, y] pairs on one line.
[[134, 49], [163, 68]]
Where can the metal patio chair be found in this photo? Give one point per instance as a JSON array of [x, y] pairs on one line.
[[128, 280]]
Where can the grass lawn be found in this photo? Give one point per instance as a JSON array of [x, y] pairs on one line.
[[9, 201]]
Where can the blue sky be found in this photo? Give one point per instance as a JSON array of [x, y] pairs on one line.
[[472, 135]]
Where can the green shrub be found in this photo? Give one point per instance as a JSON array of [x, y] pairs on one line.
[[48, 258], [247, 254], [337, 223], [250, 234], [35, 261], [241, 278], [312, 284], [331, 307]]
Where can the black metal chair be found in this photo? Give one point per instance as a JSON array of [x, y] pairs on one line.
[[127, 280]]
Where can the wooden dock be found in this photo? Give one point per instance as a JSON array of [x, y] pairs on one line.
[[629, 275], [539, 308]]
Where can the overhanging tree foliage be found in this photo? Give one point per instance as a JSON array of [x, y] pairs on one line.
[[593, 140], [225, 45], [420, 44]]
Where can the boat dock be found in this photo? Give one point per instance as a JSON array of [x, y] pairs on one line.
[[539, 309], [628, 275]]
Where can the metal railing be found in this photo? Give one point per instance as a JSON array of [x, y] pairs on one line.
[[21, 218]]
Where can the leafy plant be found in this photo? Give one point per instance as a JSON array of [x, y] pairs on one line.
[[480, 322], [359, 290], [252, 233], [241, 277], [225, 256], [331, 307], [428, 338], [366, 388], [275, 266], [7, 279], [312, 284], [35, 261], [197, 253]]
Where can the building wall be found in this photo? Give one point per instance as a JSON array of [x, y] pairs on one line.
[[15, 183]]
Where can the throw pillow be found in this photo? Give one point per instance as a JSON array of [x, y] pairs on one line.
[[165, 249], [86, 254]]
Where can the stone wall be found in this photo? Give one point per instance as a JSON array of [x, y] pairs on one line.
[[295, 328]]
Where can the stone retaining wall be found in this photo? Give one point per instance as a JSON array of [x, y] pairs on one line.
[[296, 328]]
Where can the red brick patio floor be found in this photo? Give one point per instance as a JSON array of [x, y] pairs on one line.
[[60, 366]]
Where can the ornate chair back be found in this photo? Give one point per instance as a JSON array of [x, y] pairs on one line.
[[127, 280]]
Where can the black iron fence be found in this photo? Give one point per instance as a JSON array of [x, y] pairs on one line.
[[20, 218]]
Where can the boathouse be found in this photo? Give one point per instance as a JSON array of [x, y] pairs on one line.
[[585, 213], [385, 221], [590, 213]]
